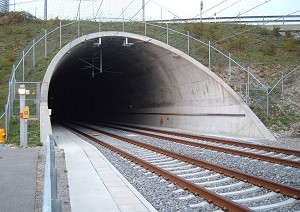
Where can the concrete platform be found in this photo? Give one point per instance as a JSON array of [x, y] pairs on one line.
[[18, 169], [94, 184]]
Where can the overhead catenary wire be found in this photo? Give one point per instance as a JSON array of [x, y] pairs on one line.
[[250, 9], [25, 2], [98, 9], [239, 33], [227, 7], [211, 8]]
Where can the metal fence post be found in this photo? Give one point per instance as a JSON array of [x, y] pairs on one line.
[[209, 55], [145, 26], [167, 33], [248, 85], [229, 66], [282, 85], [6, 120], [45, 54], [267, 89], [188, 42], [23, 66], [60, 34], [33, 54], [99, 24], [78, 28]]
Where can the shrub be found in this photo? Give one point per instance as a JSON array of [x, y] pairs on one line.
[[288, 33], [269, 49], [290, 44], [236, 44], [263, 31], [276, 30]]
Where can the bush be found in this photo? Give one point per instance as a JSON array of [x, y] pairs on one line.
[[290, 44], [263, 31], [236, 44], [288, 34], [15, 17], [276, 30], [269, 49]]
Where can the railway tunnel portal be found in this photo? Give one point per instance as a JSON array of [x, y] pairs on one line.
[[125, 77]]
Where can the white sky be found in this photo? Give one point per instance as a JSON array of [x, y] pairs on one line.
[[191, 8], [168, 8]]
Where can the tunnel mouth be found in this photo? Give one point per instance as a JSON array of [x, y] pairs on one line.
[[105, 77], [130, 78]]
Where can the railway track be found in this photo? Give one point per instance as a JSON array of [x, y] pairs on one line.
[[271, 154], [229, 189]]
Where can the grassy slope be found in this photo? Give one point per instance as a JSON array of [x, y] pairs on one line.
[[268, 53], [15, 35]]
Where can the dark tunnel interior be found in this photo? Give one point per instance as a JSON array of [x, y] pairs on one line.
[[110, 75]]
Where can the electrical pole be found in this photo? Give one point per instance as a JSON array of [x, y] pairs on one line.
[[45, 11], [143, 2], [201, 8]]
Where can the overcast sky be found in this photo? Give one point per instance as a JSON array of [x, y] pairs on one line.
[[191, 8], [155, 8]]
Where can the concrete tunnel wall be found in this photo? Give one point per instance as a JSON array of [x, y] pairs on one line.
[[159, 85]]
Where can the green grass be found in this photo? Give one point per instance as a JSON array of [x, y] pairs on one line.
[[33, 133], [266, 51]]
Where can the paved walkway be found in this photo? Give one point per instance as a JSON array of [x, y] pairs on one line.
[[18, 169], [94, 184]]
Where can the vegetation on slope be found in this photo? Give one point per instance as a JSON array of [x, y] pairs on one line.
[[16, 31], [269, 53]]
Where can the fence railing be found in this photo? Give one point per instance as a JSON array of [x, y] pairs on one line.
[[271, 19], [241, 79], [50, 200]]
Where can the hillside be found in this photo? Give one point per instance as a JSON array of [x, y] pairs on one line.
[[268, 52]]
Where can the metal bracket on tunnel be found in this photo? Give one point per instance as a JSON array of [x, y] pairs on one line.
[[126, 43]]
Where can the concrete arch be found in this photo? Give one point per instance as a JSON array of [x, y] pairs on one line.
[[162, 86]]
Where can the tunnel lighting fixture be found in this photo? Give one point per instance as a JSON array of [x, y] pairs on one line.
[[126, 43], [99, 43]]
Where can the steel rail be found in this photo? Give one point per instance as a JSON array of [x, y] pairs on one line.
[[223, 141], [223, 202], [277, 187], [217, 148]]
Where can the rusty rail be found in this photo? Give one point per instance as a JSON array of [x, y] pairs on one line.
[[223, 202], [219, 140], [221, 149], [277, 187]]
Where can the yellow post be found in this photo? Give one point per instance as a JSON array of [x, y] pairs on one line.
[[2, 137]]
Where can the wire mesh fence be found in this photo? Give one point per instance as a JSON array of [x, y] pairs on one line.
[[81, 9], [128, 16]]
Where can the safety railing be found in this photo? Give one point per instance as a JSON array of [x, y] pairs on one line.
[[51, 202], [51, 41]]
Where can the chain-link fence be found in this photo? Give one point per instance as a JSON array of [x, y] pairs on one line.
[[127, 16], [82, 9], [4, 5], [286, 88]]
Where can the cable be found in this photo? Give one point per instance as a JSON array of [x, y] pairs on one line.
[[226, 7], [249, 10], [98, 9], [212, 8], [250, 29], [166, 9], [25, 2]]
